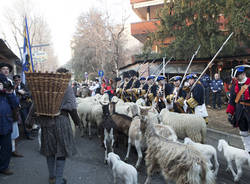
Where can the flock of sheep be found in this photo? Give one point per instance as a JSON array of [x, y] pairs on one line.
[[160, 134]]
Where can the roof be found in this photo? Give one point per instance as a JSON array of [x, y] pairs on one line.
[[6, 54]]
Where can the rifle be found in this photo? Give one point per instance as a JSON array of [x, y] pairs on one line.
[[209, 64], [159, 74], [196, 52]]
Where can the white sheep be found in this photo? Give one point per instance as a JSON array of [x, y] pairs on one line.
[[207, 150], [231, 153], [126, 172], [95, 117], [185, 125], [84, 108]]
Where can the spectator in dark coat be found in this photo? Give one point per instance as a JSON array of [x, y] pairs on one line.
[[8, 102], [24, 96], [216, 87]]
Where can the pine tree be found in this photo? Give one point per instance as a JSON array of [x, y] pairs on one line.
[[196, 22]]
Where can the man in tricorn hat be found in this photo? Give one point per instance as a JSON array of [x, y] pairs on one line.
[[238, 108]]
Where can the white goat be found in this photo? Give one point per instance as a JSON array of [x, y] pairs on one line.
[[137, 139], [231, 153], [127, 173], [207, 150], [178, 162]]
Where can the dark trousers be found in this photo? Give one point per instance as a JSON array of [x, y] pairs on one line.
[[207, 96], [5, 151], [24, 112], [217, 98]]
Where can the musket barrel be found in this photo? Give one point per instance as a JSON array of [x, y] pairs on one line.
[[211, 61]]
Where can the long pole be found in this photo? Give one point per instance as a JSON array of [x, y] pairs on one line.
[[196, 52], [211, 61]]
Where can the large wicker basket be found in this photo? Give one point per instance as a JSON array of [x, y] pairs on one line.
[[47, 90]]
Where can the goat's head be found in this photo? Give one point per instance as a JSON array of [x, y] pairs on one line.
[[112, 157], [221, 144], [143, 117], [114, 99], [187, 140]]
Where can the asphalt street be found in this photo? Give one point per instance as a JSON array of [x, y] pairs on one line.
[[88, 167]]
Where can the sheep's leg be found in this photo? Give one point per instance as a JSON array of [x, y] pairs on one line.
[[239, 171], [115, 179], [89, 126], [216, 164], [112, 139], [105, 146], [229, 162], [129, 147], [139, 153]]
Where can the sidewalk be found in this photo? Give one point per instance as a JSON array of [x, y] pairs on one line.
[[233, 140]]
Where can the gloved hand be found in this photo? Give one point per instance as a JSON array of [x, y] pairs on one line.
[[230, 118]]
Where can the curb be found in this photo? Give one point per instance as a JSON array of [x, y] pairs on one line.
[[233, 140]]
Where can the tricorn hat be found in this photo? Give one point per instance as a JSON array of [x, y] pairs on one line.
[[159, 78], [176, 78], [6, 65], [240, 69], [191, 76]]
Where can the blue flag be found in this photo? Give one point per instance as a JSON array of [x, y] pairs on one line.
[[27, 63]]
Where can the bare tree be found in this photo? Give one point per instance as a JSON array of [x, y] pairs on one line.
[[97, 44], [39, 31]]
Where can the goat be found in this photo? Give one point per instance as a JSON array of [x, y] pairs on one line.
[[238, 155], [207, 150], [178, 162], [137, 139], [126, 172]]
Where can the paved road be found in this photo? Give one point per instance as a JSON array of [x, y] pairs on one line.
[[87, 166]]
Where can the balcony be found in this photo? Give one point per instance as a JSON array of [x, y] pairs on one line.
[[146, 10], [141, 30]]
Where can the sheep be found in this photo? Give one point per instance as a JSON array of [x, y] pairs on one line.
[[178, 162], [238, 155], [84, 108], [185, 125], [95, 116], [207, 150], [126, 172]]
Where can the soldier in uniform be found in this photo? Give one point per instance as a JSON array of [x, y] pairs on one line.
[[126, 85], [142, 90], [238, 108], [206, 81], [196, 98], [132, 91], [178, 95], [151, 94], [160, 98]]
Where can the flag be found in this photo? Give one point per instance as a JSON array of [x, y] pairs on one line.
[[27, 64]]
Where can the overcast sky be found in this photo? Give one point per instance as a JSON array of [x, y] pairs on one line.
[[61, 16]]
